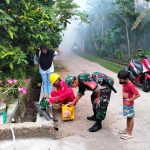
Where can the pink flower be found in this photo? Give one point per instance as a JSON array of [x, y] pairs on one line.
[[15, 81], [22, 90], [10, 81]]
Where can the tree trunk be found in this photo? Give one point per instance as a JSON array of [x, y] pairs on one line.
[[93, 37], [135, 4], [128, 41], [83, 42], [102, 30]]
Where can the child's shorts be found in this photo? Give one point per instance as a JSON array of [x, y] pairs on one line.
[[128, 111]]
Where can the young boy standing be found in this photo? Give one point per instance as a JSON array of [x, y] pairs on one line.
[[130, 93]]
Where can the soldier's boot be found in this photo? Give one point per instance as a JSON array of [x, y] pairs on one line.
[[92, 118], [97, 126]]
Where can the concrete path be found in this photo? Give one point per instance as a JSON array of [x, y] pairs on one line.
[[108, 138], [68, 143]]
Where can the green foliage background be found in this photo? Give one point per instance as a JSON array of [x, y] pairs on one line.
[[117, 29], [24, 25]]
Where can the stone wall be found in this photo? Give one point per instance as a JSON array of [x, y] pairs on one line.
[[21, 109], [17, 112], [27, 129]]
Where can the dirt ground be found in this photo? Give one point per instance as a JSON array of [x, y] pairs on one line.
[[108, 137], [31, 113]]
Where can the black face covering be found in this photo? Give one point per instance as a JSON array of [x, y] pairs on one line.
[[56, 84], [122, 82]]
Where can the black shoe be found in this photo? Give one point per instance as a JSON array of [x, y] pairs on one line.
[[97, 126], [92, 118]]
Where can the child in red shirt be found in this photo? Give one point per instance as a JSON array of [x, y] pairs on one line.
[[130, 93]]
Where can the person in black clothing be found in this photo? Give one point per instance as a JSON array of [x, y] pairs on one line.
[[44, 60]]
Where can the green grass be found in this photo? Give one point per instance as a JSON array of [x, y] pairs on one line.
[[59, 67], [105, 63]]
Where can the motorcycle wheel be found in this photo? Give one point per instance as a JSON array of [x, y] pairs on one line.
[[146, 85]]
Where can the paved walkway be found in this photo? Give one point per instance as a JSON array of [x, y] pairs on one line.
[[108, 138]]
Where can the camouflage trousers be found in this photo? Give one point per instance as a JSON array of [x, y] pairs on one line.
[[101, 109]]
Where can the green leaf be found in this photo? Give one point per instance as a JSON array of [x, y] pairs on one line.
[[11, 34], [25, 61], [5, 54], [8, 1], [2, 11], [141, 19], [11, 66]]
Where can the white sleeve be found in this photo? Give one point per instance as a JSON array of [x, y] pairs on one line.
[[55, 53], [36, 60]]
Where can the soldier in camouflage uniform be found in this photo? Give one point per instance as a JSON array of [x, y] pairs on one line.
[[100, 96]]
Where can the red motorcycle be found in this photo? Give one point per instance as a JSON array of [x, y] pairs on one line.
[[140, 72]]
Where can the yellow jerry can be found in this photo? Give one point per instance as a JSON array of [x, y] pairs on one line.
[[67, 112]]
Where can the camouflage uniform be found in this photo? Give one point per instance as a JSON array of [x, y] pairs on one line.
[[91, 83], [101, 109], [103, 80]]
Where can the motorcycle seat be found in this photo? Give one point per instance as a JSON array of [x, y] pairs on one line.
[[147, 57], [137, 64]]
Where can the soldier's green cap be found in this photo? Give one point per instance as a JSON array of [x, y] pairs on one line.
[[69, 80]]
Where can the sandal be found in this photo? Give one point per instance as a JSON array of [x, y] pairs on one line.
[[126, 137], [123, 131]]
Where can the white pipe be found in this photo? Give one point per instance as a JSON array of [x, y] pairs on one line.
[[12, 131]]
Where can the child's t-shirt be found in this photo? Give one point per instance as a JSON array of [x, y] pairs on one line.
[[129, 90]]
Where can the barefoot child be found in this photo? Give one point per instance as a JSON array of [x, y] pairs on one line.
[[130, 93]]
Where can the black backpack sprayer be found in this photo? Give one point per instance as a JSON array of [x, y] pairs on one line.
[[99, 78], [45, 109]]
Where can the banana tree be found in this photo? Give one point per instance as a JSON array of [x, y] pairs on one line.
[[143, 19]]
